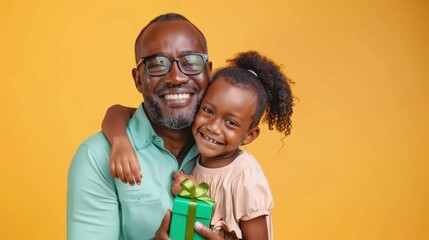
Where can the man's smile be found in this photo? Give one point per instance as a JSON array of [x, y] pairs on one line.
[[177, 96]]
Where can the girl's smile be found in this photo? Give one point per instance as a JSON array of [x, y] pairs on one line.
[[211, 140]]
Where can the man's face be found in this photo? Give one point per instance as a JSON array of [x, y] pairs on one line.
[[171, 100]]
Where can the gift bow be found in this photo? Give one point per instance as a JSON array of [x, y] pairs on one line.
[[190, 191], [194, 193]]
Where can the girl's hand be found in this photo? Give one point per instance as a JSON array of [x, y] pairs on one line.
[[124, 163], [178, 178]]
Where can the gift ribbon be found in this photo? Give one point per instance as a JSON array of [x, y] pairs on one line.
[[194, 193]]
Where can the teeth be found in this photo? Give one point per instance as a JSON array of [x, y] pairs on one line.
[[210, 140], [177, 96]]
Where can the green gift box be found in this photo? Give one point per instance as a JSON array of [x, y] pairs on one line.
[[190, 206]]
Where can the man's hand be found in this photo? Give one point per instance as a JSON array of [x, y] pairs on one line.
[[208, 233], [162, 232], [124, 163], [205, 232]]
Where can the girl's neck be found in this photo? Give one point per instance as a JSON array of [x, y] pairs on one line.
[[219, 161]]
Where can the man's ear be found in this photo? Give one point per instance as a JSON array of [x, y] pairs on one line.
[[137, 80], [252, 134], [209, 66]]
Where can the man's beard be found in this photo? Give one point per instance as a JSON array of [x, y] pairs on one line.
[[175, 122]]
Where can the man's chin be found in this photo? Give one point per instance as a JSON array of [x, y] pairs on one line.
[[179, 112], [176, 119], [173, 117], [176, 122]]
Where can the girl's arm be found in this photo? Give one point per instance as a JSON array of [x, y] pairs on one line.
[[255, 228], [252, 202], [124, 163]]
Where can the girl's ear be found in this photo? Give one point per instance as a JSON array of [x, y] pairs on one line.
[[252, 134]]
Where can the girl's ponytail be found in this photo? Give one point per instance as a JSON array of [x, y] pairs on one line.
[[278, 101]]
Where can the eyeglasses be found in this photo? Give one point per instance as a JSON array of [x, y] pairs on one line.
[[159, 65]]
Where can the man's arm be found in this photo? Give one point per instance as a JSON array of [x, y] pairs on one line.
[[92, 205]]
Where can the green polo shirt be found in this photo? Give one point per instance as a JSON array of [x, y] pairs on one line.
[[102, 207]]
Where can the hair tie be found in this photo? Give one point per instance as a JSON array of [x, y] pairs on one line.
[[252, 72]]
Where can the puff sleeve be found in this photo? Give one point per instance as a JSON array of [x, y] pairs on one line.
[[252, 195]]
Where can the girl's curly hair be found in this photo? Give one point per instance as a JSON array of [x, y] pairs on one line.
[[271, 86]]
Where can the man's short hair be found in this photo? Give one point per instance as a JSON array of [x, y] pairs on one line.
[[164, 18]]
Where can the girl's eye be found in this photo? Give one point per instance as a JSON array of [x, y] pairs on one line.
[[232, 123], [207, 110]]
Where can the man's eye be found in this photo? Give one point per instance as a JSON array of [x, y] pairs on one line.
[[157, 66], [191, 65]]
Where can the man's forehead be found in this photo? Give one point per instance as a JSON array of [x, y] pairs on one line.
[[170, 37]]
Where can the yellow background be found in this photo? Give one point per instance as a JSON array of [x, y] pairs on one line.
[[355, 167]]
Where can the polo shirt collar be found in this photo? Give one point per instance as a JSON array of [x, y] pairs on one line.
[[141, 130], [142, 134]]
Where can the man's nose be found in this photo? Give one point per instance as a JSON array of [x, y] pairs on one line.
[[175, 76]]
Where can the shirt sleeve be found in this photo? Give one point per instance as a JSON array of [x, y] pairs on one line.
[[252, 196], [92, 205]]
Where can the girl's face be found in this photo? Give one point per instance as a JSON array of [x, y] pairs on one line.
[[223, 121]]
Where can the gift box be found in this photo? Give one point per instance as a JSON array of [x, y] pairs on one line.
[[190, 205]]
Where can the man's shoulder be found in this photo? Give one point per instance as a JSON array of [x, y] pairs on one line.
[[92, 155], [97, 139], [97, 146]]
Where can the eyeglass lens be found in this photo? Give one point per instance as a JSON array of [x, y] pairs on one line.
[[188, 64]]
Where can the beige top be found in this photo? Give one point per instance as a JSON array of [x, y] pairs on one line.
[[241, 192]]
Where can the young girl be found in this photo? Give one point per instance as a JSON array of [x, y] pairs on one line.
[[228, 117]]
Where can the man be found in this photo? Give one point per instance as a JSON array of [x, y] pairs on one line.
[[172, 73]]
